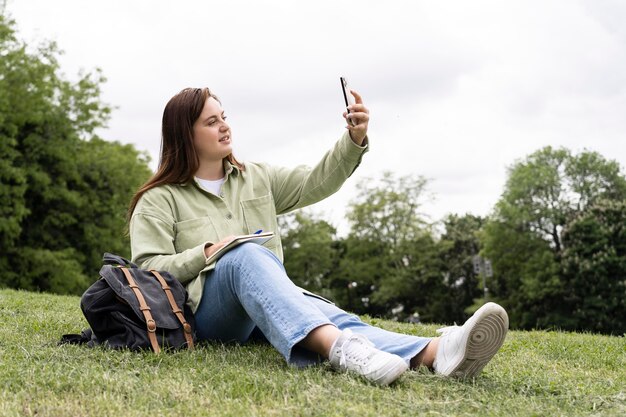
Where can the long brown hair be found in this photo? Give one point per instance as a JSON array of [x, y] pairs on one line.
[[179, 160]]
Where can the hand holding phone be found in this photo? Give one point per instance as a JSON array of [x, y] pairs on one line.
[[347, 96]]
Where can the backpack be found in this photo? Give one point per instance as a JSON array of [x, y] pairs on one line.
[[134, 308]]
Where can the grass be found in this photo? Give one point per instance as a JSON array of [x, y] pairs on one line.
[[535, 374]]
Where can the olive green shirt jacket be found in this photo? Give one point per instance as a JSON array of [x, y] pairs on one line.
[[172, 224]]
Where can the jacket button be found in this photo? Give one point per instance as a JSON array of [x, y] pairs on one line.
[[229, 216], [222, 194]]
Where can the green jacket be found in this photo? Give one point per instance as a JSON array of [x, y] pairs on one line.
[[172, 224]]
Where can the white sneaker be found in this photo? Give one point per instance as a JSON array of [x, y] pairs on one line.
[[355, 353], [464, 351]]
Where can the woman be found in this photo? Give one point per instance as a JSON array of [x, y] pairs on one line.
[[201, 196]]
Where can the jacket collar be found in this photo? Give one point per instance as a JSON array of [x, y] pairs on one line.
[[229, 169]]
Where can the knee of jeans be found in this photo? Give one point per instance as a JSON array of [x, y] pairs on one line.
[[247, 261], [245, 253]]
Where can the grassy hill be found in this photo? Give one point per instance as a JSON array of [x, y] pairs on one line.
[[536, 373]]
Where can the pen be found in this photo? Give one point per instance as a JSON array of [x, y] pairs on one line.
[[258, 231]]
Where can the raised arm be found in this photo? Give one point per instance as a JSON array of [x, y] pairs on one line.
[[302, 186]]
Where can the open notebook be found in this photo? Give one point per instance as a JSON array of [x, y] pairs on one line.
[[259, 238]]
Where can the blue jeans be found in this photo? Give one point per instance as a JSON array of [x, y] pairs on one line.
[[249, 289]]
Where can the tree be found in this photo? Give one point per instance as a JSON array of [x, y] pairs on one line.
[[524, 238], [594, 268], [12, 177], [387, 210], [390, 252], [309, 250], [459, 244], [551, 186], [65, 191]]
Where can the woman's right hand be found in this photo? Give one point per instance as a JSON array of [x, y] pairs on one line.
[[360, 116], [210, 250]]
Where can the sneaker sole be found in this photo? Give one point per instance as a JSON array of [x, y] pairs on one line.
[[483, 341]]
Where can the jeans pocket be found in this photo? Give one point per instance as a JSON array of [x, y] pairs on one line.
[[319, 297]]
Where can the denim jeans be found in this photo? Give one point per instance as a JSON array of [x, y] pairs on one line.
[[249, 289]]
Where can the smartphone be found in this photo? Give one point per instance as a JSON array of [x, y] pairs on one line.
[[347, 95]]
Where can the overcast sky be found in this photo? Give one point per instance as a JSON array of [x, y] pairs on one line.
[[457, 90]]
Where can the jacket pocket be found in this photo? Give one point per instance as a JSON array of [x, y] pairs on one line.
[[191, 233], [260, 214]]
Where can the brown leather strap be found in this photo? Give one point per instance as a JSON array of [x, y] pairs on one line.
[[150, 323], [177, 311]]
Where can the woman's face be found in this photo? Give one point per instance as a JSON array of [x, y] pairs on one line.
[[211, 134]]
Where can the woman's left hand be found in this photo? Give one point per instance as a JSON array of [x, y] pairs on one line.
[[360, 116]]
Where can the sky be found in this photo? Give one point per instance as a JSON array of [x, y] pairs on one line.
[[458, 90]]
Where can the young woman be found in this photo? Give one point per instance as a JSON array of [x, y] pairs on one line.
[[201, 196]]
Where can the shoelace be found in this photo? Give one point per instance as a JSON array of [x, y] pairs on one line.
[[359, 338]]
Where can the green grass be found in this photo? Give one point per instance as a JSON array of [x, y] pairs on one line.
[[535, 373]]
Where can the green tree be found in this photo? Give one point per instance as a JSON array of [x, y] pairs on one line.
[[524, 238], [12, 177], [310, 251], [459, 244], [64, 190], [594, 268], [387, 210], [362, 267], [391, 260]]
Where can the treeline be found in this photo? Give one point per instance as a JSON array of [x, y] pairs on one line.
[[553, 250], [63, 190]]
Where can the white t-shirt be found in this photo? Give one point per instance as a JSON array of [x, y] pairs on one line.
[[212, 186]]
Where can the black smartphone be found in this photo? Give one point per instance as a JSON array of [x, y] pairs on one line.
[[347, 95]]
